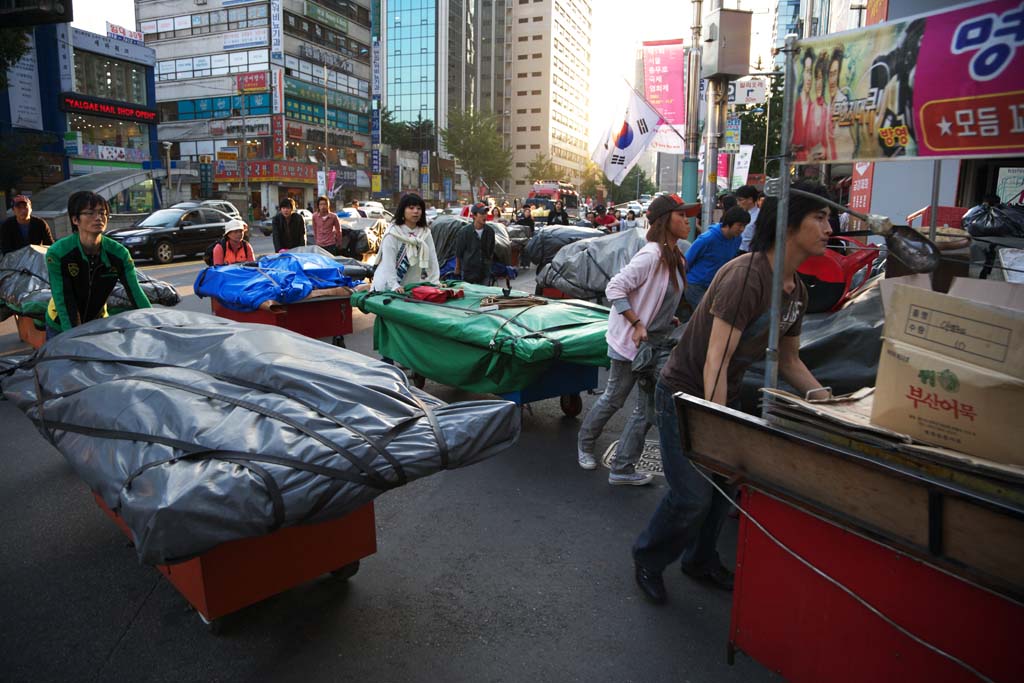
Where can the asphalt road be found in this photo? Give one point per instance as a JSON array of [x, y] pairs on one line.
[[516, 569]]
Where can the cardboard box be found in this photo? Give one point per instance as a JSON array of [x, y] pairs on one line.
[[951, 372]]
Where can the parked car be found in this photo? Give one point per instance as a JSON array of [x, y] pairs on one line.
[[167, 233], [372, 209], [219, 204]]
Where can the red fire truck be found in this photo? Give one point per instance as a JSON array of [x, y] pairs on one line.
[[556, 190]]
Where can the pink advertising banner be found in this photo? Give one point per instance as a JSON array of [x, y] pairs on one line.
[[947, 84], [665, 89]]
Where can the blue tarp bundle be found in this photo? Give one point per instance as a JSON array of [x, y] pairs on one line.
[[284, 278], [498, 270]]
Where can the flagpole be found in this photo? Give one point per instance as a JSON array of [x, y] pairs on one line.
[[648, 103]]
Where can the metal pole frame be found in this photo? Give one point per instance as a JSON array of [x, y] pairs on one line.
[[771, 366], [936, 181]]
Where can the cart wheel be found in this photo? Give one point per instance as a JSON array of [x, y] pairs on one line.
[[572, 404], [212, 625], [339, 341], [346, 572], [418, 380]]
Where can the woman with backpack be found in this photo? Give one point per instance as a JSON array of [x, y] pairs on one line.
[[233, 248]]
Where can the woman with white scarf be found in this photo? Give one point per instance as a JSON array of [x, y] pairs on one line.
[[407, 254]]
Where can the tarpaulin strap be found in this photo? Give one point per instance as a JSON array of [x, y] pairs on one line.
[[442, 443], [378, 447], [365, 468]]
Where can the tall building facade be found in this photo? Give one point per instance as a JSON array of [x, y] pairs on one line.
[[279, 85], [547, 70]]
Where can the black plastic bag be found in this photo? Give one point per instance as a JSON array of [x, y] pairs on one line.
[[986, 220]]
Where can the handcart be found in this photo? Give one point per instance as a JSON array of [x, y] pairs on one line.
[[524, 355], [240, 573], [317, 317]]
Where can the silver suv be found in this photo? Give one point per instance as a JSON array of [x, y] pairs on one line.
[[219, 204]]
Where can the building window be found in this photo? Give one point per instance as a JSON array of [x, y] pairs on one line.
[[537, 37], [534, 146], [523, 21], [538, 18], [97, 131], [520, 93], [520, 164], [537, 55], [109, 78], [520, 129], [523, 39], [535, 92], [534, 128], [520, 146]]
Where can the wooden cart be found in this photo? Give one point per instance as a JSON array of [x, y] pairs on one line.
[[317, 317]]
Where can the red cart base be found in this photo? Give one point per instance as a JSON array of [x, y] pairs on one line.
[[240, 573], [316, 317]]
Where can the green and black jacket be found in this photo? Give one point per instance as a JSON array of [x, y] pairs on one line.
[[80, 286]]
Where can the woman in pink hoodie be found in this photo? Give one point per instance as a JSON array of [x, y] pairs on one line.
[[644, 296]]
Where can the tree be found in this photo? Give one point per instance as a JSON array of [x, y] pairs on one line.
[[393, 133], [421, 134], [473, 138], [542, 168], [628, 189], [755, 125], [13, 46], [593, 181], [24, 158]]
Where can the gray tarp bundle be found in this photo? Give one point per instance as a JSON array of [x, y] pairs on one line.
[[582, 269], [840, 349], [357, 270], [546, 242], [445, 230], [200, 430], [25, 285]]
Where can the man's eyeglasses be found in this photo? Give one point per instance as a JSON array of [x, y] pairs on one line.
[[89, 213], [19, 205]]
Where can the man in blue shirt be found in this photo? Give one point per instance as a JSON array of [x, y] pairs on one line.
[[712, 250]]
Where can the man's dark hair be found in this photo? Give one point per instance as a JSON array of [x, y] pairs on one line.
[[992, 199], [735, 215], [748, 192], [799, 208], [408, 200], [323, 198], [84, 199], [287, 201], [727, 201]]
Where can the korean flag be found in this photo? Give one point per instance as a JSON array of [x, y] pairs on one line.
[[621, 147]]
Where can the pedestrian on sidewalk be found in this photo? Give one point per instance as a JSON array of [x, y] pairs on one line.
[[644, 296], [289, 228], [23, 229], [712, 249], [326, 227], [474, 249], [727, 333]]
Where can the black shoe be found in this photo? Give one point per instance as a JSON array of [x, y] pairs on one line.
[[718, 576], [652, 585]]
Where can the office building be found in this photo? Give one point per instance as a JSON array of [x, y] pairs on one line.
[[264, 91]]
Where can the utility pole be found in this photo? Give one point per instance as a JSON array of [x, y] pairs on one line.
[[327, 189], [245, 153], [691, 160], [716, 86]]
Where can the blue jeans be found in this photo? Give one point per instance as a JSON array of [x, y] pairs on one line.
[[621, 380], [689, 518]]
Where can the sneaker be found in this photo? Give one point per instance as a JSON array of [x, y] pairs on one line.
[[718, 576], [630, 478], [587, 461]]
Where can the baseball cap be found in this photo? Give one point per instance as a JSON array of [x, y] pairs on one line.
[[480, 208], [22, 198], [233, 224], [668, 203]]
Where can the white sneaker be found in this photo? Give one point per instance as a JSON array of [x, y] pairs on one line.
[[630, 479], [587, 461]]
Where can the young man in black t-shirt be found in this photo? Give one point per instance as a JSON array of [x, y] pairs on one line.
[[727, 333]]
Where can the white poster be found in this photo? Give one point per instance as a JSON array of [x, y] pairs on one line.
[[276, 35], [253, 37], [741, 166], [65, 58], [23, 90], [277, 88], [1010, 185], [321, 183]]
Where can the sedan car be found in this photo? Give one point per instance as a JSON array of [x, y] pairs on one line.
[[221, 205], [167, 233]]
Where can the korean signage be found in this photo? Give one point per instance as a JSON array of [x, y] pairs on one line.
[[277, 124], [1010, 185], [121, 33], [741, 166], [23, 90], [731, 141], [375, 161], [314, 93], [318, 56], [81, 104], [325, 17], [253, 37], [375, 88], [276, 32], [277, 89], [860, 188], [665, 89], [938, 85], [206, 179], [254, 81], [272, 172], [424, 170]]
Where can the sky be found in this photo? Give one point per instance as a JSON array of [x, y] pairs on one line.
[[618, 29]]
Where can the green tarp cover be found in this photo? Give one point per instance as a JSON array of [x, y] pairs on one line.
[[498, 351]]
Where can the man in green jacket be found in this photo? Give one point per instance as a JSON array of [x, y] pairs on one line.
[[84, 267]]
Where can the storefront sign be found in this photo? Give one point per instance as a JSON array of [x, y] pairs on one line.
[[23, 90], [860, 189], [731, 140], [424, 169], [254, 81], [665, 89], [279, 139], [741, 166], [313, 93], [253, 37], [72, 143], [273, 172], [277, 91], [318, 56], [81, 104], [375, 55], [375, 161], [121, 33], [326, 17], [944, 84], [276, 32]]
